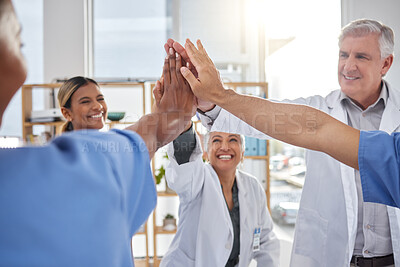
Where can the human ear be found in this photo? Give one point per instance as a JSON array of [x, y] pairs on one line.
[[387, 63], [66, 113]]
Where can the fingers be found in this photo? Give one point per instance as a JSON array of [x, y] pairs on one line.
[[172, 66], [162, 85], [157, 93], [166, 74], [181, 80], [181, 50], [193, 53], [199, 45], [189, 77], [203, 51], [169, 44]]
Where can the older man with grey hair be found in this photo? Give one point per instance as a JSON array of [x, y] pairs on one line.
[[335, 227]]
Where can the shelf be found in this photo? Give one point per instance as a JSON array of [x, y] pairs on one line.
[[256, 157], [51, 123], [141, 233], [160, 230], [120, 122], [165, 194]]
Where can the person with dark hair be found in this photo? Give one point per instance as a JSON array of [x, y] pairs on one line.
[[78, 200], [82, 104]]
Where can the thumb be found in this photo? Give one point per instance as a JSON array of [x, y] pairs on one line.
[[189, 77]]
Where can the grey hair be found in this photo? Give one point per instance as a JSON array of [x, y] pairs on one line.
[[362, 27], [207, 138]]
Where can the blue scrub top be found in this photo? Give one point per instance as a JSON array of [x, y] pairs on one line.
[[379, 163], [76, 201]]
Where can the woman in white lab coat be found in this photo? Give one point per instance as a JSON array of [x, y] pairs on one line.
[[223, 218]]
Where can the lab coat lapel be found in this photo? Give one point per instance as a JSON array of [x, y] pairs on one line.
[[391, 115], [244, 215], [349, 184], [214, 221]]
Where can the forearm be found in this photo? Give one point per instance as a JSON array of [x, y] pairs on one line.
[[159, 129], [298, 125]]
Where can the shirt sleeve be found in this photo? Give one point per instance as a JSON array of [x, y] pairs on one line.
[[186, 179], [208, 118], [378, 160], [121, 158], [184, 146], [136, 176]]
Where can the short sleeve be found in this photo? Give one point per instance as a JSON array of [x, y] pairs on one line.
[[134, 172], [125, 165], [378, 159]]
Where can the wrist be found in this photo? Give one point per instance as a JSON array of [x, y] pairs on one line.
[[223, 96], [206, 109]]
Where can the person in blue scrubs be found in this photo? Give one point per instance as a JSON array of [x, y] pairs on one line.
[[79, 200], [379, 164], [376, 154]]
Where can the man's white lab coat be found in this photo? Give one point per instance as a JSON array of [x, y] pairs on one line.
[[205, 233], [327, 220]]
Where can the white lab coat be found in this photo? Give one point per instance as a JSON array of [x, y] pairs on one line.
[[327, 220], [205, 233]]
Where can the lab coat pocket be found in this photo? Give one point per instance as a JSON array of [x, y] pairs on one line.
[[311, 226]]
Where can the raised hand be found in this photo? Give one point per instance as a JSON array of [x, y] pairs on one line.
[[208, 85], [172, 92], [200, 103]]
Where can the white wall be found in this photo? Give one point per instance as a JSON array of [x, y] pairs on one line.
[[64, 41], [387, 12]]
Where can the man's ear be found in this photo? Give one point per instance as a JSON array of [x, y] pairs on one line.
[[387, 63], [66, 113]]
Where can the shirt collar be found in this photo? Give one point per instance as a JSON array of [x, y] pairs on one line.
[[383, 95]]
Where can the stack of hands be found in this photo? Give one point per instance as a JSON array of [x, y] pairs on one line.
[[189, 81]]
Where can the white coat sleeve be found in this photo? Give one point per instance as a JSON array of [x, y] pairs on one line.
[[186, 179], [269, 253], [220, 120]]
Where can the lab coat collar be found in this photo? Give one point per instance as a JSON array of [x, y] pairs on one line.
[[243, 206], [391, 115]]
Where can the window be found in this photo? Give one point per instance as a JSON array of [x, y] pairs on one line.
[[302, 54], [30, 14]]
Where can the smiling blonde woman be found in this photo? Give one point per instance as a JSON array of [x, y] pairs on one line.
[[82, 104]]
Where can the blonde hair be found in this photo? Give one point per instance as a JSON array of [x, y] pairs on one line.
[[65, 93]]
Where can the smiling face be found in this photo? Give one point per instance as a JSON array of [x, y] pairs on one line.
[[224, 151], [12, 63], [360, 68], [88, 108]]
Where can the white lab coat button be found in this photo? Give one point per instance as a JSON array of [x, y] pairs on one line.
[[368, 226], [228, 245]]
